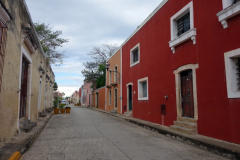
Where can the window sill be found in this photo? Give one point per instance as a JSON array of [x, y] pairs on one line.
[[228, 13], [133, 64], [191, 34], [143, 99]]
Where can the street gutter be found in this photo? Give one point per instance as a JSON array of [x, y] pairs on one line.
[[223, 148]]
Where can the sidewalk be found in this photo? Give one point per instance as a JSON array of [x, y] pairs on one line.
[[219, 147], [23, 141]]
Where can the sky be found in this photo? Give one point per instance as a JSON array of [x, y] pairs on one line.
[[88, 23]]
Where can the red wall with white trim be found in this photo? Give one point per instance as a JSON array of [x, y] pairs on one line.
[[218, 116]]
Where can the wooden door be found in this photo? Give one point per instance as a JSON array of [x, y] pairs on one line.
[[130, 98], [23, 95], [187, 94]]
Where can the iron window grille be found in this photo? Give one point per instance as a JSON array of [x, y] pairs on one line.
[[135, 55], [183, 24], [115, 98], [144, 88], [110, 97], [238, 73], [235, 1], [115, 75]]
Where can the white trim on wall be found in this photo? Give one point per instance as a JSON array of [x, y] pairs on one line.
[[131, 62], [191, 34], [231, 77], [140, 91], [177, 73], [25, 54], [228, 12]]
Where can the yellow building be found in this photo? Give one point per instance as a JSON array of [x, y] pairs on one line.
[[26, 79]]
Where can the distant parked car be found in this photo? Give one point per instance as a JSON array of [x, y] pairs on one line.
[[63, 102]]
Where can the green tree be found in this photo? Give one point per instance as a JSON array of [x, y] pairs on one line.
[[101, 79], [99, 56], [55, 86], [50, 42]]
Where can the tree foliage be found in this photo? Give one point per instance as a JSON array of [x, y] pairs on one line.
[[50, 42], [94, 68], [101, 79]]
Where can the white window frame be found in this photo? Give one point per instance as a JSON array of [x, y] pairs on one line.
[[230, 73], [228, 12], [131, 57], [140, 91], [190, 34]]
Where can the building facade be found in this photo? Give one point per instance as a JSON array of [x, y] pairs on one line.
[[86, 93], [181, 66], [113, 83], [25, 75], [98, 98]]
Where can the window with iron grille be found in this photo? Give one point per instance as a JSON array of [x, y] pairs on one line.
[[183, 24], [110, 77], [135, 55], [235, 1], [238, 73], [115, 75], [232, 68], [144, 88], [110, 97], [115, 98]]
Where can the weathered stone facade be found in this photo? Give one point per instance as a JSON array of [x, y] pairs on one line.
[[22, 42]]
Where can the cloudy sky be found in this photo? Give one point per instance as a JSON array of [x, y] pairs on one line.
[[88, 23]]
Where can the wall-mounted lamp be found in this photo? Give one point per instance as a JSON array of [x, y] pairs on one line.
[[107, 67], [166, 97]]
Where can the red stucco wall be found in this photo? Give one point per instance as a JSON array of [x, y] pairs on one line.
[[218, 115]]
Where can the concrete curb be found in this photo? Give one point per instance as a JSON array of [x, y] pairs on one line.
[[24, 149], [34, 137], [223, 148], [15, 156]]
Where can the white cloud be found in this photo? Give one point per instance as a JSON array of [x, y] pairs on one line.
[[68, 90]]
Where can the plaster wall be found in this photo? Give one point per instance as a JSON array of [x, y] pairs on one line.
[[217, 114], [115, 60], [9, 95]]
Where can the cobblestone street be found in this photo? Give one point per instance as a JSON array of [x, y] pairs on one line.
[[89, 134]]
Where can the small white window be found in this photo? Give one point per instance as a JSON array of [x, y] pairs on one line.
[[232, 65], [135, 55], [230, 9], [182, 27], [143, 89]]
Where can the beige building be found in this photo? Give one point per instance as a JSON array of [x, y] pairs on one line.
[[26, 79]]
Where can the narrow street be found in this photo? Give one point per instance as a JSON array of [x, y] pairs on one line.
[[89, 134]]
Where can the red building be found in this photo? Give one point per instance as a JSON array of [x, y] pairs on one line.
[[180, 68]]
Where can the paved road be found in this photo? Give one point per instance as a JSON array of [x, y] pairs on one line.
[[89, 134]]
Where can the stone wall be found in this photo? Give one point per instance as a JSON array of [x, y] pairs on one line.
[[16, 48]]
